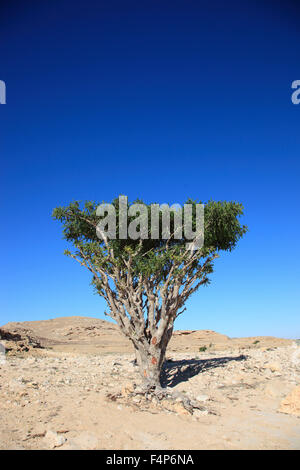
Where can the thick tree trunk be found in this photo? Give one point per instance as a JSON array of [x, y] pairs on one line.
[[150, 366], [150, 359]]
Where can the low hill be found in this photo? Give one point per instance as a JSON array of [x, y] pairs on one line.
[[91, 335]]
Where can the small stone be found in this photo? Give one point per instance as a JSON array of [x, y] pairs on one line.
[[199, 413], [31, 360], [33, 385], [291, 404], [136, 400], [180, 409], [127, 389], [273, 366], [202, 398], [271, 391], [165, 403], [84, 441], [54, 440]]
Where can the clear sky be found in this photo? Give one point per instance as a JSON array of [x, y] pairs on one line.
[[162, 101]]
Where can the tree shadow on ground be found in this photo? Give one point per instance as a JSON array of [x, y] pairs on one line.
[[175, 372]]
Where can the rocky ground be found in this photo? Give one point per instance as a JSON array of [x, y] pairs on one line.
[[244, 395]]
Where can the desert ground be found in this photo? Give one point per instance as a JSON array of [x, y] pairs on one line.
[[68, 383]]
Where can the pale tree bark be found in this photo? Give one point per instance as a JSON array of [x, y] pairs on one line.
[[145, 307], [150, 359]]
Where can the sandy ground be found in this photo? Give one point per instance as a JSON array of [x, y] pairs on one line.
[[57, 397]]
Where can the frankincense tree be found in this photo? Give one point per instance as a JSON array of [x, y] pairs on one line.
[[146, 282]]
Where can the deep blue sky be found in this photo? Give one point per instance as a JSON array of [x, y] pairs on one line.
[[162, 101]]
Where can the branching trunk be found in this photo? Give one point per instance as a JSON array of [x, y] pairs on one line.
[[146, 306], [147, 282]]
